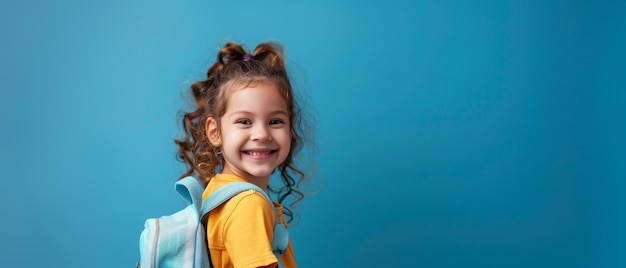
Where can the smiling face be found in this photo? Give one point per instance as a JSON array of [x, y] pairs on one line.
[[254, 133]]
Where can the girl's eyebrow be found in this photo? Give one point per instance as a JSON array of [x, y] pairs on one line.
[[280, 112], [248, 113]]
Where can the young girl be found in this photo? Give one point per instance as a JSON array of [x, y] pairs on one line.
[[245, 126]]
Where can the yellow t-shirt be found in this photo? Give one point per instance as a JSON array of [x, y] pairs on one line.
[[240, 231]]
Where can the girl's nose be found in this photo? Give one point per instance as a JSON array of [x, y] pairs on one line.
[[261, 133]]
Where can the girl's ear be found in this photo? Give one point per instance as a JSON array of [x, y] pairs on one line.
[[212, 132]]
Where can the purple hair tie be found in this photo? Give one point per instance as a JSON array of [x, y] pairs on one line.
[[247, 57]]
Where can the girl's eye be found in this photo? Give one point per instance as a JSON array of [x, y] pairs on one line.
[[276, 121], [244, 121]]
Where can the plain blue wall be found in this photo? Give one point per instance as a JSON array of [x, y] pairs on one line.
[[450, 133]]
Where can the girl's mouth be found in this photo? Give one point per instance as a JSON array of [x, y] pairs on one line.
[[259, 153]]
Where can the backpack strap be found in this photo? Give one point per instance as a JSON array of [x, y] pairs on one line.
[[190, 189], [280, 240], [229, 190]]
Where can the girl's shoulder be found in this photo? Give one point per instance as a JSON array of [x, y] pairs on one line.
[[249, 202], [242, 210]]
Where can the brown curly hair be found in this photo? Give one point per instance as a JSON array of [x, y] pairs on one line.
[[210, 97]]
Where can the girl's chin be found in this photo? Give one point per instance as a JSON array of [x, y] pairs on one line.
[[260, 173], [256, 172], [251, 170]]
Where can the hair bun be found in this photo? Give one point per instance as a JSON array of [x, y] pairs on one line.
[[230, 52], [270, 53]]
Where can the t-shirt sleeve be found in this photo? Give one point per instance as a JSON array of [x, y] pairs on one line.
[[248, 232]]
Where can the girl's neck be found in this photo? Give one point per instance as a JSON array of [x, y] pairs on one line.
[[261, 182]]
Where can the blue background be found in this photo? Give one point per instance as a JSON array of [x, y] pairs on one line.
[[450, 133]]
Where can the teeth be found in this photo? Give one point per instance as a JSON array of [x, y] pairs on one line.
[[259, 153]]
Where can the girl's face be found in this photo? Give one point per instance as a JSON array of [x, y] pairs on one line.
[[255, 134]]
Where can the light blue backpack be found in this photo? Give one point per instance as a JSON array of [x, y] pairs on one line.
[[179, 240]]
